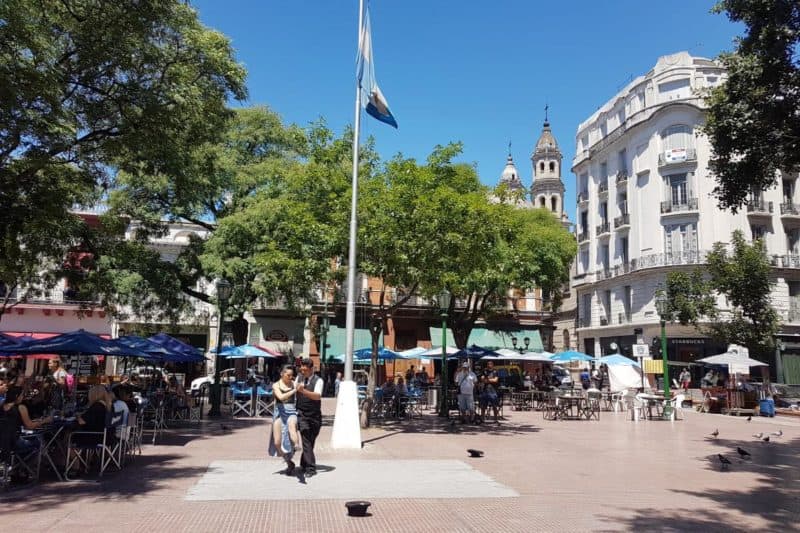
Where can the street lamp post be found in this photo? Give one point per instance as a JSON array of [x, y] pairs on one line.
[[224, 290], [526, 340], [663, 310], [444, 307], [323, 334]]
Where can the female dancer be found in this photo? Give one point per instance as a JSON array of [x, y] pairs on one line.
[[285, 438]]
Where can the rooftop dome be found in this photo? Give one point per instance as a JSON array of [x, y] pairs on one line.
[[510, 176]]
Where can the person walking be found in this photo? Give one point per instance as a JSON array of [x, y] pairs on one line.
[[309, 388], [686, 379]]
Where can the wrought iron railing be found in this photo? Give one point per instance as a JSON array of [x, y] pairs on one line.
[[689, 205], [623, 220]]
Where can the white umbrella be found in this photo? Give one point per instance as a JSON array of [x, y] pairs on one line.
[[542, 357], [730, 358], [433, 352], [413, 352]]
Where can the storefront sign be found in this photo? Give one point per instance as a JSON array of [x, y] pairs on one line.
[[277, 335]]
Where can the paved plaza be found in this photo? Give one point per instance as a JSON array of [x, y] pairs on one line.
[[536, 475]]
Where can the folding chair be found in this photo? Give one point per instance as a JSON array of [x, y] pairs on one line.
[[105, 446], [196, 407], [263, 402], [592, 405], [17, 460], [242, 400]]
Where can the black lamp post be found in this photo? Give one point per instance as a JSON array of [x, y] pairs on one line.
[[662, 306], [224, 290], [526, 340], [444, 307], [323, 338]]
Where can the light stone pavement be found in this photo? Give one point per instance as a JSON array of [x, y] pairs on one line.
[[536, 475]]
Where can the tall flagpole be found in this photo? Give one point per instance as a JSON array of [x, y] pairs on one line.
[[346, 424]]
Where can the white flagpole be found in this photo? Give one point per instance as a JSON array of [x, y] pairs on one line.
[[346, 423]]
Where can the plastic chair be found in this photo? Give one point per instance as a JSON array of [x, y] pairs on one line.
[[675, 404]]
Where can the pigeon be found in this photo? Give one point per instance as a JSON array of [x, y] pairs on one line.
[[758, 435], [474, 453], [749, 418], [724, 462], [744, 454], [715, 433], [765, 439], [778, 433]]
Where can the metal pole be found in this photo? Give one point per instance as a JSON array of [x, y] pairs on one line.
[[216, 387], [350, 323], [444, 411], [664, 358]]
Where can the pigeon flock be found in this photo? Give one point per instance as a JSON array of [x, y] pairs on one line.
[[724, 462]]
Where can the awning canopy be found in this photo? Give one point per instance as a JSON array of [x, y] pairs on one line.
[[337, 336], [184, 353], [493, 339]]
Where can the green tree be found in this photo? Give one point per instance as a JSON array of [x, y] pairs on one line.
[[752, 120], [235, 190], [90, 88], [526, 249], [741, 273]]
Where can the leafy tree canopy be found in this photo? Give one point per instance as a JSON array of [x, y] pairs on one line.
[[89, 88], [753, 120], [741, 273]]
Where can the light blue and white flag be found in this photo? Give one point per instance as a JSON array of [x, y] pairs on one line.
[[371, 96]]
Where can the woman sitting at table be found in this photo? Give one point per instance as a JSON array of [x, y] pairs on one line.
[[285, 438], [95, 418], [15, 410]]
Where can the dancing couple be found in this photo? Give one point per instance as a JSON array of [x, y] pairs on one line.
[[297, 417]]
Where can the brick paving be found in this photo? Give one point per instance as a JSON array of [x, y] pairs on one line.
[[611, 475]]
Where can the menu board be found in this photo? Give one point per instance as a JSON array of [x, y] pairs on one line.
[[79, 365]]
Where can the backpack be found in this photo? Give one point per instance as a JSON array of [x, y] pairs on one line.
[[70, 381]]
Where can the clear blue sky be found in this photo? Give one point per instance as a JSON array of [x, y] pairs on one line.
[[462, 70]]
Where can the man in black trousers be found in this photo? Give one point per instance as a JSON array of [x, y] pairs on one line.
[[309, 411]]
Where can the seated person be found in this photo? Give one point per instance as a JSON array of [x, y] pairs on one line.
[[402, 390], [14, 409], [95, 418]]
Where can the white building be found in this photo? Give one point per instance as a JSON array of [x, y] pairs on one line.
[[645, 208]]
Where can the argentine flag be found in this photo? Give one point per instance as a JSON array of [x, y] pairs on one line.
[[371, 96]]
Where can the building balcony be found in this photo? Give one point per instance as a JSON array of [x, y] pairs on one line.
[[583, 237], [622, 178], [786, 261], [622, 222], [677, 156], [759, 208], [656, 261], [603, 230], [583, 198], [623, 268], [604, 273], [602, 188], [790, 210], [689, 205], [794, 311]]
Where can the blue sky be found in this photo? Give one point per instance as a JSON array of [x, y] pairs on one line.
[[462, 70]]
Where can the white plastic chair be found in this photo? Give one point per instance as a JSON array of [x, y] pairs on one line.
[[675, 404]]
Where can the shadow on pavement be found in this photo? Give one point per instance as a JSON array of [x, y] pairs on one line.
[[776, 498]]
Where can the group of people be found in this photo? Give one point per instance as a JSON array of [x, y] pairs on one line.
[[297, 417], [486, 385]]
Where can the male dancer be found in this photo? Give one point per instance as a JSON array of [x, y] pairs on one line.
[[309, 410]]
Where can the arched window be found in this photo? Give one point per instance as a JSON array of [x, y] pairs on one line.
[[541, 166], [677, 136], [542, 201], [554, 204], [552, 166], [566, 339]]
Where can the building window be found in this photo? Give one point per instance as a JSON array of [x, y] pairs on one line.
[[604, 213], [586, 310], [623, 250], [677, 189], [622, 162], [674, 90], [541, 166], [603, 172], [676, 137], [584, 261], [604, 256], [584, 221], [583, 184], [552, 166], [541, 201], [793, 241], [788, 191], [554, 204], [680, 239], [607, 306], [758, 232], [603, 129], [627, 300], [585, 142], [623, 204]]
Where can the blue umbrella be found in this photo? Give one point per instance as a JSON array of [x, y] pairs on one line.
[[179, 351], [7, 341], [571, 355], [474, 352], [78, 342], [156, 352], [244, 351], [617, 359], [383, 353]]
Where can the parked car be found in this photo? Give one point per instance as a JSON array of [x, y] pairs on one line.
[[203, 385], [561, 376]]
